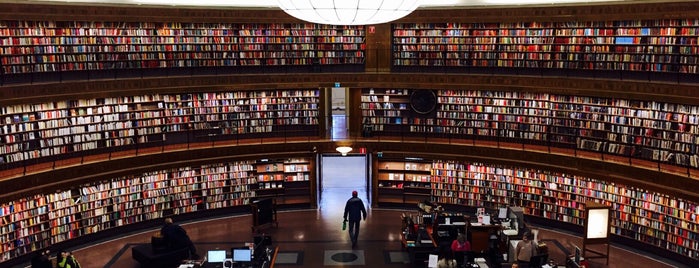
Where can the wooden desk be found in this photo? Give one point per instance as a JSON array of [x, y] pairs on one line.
[[480, 235], [419, 253]]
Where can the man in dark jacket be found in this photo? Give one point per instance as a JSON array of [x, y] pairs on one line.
[[176, 237], [356, 211], [41, 260]]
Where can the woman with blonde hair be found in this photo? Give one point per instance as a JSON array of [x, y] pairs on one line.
[[444, 260]]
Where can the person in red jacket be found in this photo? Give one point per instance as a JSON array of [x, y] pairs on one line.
[[460, 244]]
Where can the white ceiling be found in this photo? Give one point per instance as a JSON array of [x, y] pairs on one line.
[[273, 3]]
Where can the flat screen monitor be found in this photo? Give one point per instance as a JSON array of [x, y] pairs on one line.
[[242, 255], [486, 219], [216, 256], [597, 223], [502, 213]]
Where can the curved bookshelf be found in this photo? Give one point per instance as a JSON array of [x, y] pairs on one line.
[[72, 127], [205, 188], [641, 217], [649, 217], [166, 115], [650, 130], [70, 50], [636, 48], [43, 220]]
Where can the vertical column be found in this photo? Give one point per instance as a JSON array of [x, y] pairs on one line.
[[378, 48]]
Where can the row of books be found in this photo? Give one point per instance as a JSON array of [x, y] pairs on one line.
[[153, 47], [647, 129], [563, 24], [552, 43], [29, 131], [582, 27], [27, 224]]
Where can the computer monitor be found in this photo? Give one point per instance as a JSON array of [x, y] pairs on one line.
[[216, 256], [502, 213], [242, 255], [517, 215]]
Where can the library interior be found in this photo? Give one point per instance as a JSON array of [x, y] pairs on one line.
[[493, 135]]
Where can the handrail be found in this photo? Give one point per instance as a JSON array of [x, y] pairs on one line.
[[49, 163], [547, 148], [493, 142]]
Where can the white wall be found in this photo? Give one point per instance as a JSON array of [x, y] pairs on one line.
[[338, 98]]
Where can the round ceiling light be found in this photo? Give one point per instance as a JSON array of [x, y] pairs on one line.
[[348, 12]]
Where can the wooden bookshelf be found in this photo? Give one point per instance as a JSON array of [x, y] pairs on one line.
[[403, 181], [297, 183], [72, 46], [650, 130], [35, 222], [652, 218], [287, 180], [663, 46], [30, 131], [383, 109], [40, 130]]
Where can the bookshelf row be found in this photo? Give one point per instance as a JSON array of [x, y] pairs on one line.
[[658, 131], [32, 46], [650, 45], [654, 218], [669, 45], [30, 131], [404, 182], [42, 220]]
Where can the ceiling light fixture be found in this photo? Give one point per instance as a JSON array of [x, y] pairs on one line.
[[348, 12], [344, 150]]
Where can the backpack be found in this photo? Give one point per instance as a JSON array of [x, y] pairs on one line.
[[73, 262]]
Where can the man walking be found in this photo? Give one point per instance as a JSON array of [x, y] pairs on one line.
[[356, 211]]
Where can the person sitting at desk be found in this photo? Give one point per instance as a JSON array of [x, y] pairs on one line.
[[461, 249], [176, 237], [460, 244]]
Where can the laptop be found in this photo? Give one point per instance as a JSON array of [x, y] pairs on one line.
[[242, 256], [215, 258]]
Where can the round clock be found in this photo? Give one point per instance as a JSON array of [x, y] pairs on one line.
[[423, 101]]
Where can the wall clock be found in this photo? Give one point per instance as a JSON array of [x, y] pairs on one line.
[[423, 101]]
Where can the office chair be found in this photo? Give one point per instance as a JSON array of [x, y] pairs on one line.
[[537, 261], [464, 257], [459, 257]]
